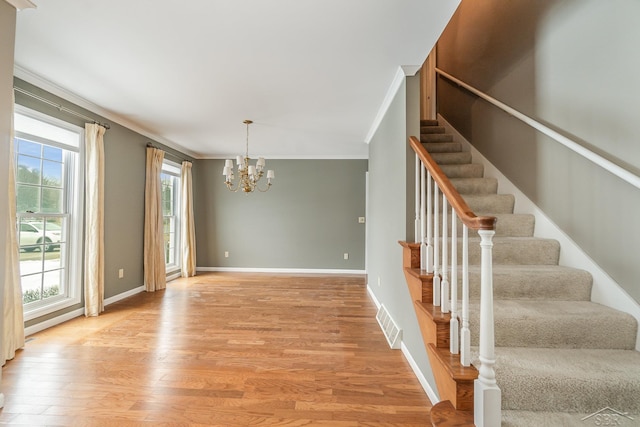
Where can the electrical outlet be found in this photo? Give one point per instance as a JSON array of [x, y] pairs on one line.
[[360, 220], [226, 254], [121, 273], [346, 255]]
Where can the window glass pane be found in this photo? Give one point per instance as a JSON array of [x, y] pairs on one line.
[[51, 174], [28, 198], [30, 148], [51, 200], [31, 287], [28, 170], [51, 284], [52, 153]]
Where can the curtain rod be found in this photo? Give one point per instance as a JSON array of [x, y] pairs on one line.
[[149, 144], [60, 107]]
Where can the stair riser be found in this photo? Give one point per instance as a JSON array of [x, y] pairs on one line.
[[563, 285], [443, 147], [475, 185], [516, 251], [463, 171], [436, 137], [432, 129], [507, 225], [461, 158], [557, 330]]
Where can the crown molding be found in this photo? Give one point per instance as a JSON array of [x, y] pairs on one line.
[[22, 4], [402, 72], [42, 83]]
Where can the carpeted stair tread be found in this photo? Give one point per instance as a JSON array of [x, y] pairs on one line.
[[470, 170], [494, 203], [516, 250], [432, 129], [475, 185], [436, 137], [532, 282], [443, 147], [428, 122], [550, 419], [567, 380], [508, 225], [459, 158], [557, 324]]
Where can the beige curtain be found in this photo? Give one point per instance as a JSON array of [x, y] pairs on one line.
[[154, 262], [94, 220], [188, 229], [13, 326]]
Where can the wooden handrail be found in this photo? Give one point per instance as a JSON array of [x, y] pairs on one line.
[[465, 214]]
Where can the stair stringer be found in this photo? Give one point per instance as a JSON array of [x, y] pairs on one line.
[[605, 290]]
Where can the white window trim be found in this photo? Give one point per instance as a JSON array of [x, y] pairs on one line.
[[173, 168], [76, 254]]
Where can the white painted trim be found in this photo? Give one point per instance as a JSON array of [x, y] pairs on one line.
[[280, 270], [21, 5], [53, 322], [402, 72], [431, 394], [123, 295], [605, 290], [42, 83], [77, 313]]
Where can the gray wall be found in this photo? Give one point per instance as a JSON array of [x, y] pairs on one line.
[[7, 37], [307, 220], [125, 157], [391, 215], [573, 65]]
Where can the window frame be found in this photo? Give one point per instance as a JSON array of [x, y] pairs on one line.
[[174, 169], [73, 202]]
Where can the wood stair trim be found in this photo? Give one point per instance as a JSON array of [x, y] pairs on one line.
[[420, 285], [410, 254], [444, 414], [454, 381], [434, 325]]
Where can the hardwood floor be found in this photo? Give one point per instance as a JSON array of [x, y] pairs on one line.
[[220, 349]]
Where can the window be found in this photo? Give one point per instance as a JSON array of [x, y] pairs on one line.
[[170, 178], [49, 209]]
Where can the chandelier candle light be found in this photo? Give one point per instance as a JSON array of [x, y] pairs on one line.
[[249, 174]]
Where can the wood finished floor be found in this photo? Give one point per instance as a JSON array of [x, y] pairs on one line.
[[219, 349]]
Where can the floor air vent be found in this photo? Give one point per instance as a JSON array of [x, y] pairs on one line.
[[389, 327]]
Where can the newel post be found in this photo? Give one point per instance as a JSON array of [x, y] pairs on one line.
[[487, 395]]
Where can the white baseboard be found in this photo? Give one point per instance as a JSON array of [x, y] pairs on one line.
[[605, 290], [77, 313], [281, 270], [431, 394]]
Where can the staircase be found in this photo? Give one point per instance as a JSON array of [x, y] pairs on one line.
[[559, 356]]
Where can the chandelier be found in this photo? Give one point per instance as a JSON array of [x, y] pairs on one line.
[[249, 174]]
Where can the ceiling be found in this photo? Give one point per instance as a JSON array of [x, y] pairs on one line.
[[311, 74]]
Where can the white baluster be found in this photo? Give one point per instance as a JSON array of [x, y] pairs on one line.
[[444, 282], [487, 395], [429, 215], [424, 250], [454, 338], [418, 171], [436, 248], [465, 335]]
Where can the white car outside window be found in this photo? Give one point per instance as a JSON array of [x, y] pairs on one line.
[[33, 234]]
